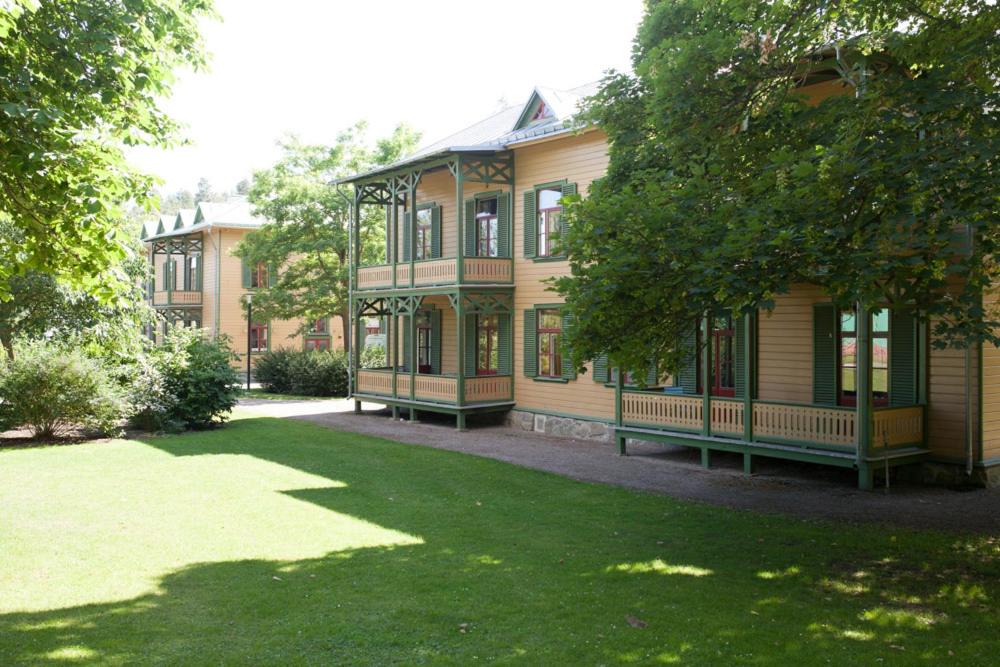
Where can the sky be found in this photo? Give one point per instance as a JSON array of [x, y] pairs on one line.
[[314, 67]]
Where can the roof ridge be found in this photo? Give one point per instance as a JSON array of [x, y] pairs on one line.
[[467, 127]]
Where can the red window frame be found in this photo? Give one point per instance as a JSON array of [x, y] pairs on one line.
[[317, 344], [547, 217], [424, 233], [487, 222], [258, 333], [550, 349], [487, 345], [723, 353], [849, 398], [258, 276], [424, 342], [319, 326]]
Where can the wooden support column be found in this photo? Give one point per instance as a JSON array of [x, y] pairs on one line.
[[392, 354], [706, 375], [393, 234], [619, 390], [412, 238], [922, 365], [460, 344], [863, 387], [749, 364], [460, 221]]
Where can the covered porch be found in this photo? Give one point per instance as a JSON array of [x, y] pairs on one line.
[[868, 433], [447, 351]]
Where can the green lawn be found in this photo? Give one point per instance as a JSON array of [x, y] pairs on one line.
[[280, 542], [271, 396]]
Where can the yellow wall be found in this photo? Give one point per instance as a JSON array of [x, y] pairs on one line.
[[785, 346], [991, 387]]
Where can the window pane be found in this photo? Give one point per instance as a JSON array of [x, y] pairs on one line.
[[549, 198], [880, 321], [486, 207], [880, 380], [424, 217], [549, 319], [847, 379], [847, 321]]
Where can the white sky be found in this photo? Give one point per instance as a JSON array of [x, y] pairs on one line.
[[314, 67]]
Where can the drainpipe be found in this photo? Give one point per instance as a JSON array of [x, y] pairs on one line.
[[968, 379]]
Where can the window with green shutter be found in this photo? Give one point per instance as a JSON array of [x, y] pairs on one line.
[[601, 372], [903, 359], [687, 378], [487, 230], [530, 224], [435, 316], [824, 354], [506, 344], [545, 354], [503, 225], [436, 232], [530, 344], [544, 222]]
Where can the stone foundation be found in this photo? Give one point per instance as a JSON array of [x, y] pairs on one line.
[[933, 473], [564, 427]]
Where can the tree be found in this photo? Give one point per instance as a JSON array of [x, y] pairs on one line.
[[308, 234], [725, 187], [38, 305], [243, 187], [175, 201], [79, 81]]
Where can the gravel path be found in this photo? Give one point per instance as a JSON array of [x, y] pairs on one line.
[[806, 491]]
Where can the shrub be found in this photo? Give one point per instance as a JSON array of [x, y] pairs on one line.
[[273, 371], [198, 377], [53, 390], [318, 373], [373, 357]]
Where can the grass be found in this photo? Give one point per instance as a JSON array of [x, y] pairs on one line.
[[281, 542], [271, 396]]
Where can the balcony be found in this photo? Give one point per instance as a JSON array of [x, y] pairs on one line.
[[177, 298], [436, 389], [806, 427], [437, 272]]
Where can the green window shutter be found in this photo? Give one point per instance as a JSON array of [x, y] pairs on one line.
[[506, 344], [471, 336], [436, 342], [687, 378], [503, 224], [201, 271], [530, 225], [824, 354], [567, 190], [470, 228], [407, 240], [568, 369], [406, 341], [902, 359], [186, 280], [246, 273], [436, 232], [601, 374], [653, 374], [272, 275], [530, 344], [740, 362], [173, 274]]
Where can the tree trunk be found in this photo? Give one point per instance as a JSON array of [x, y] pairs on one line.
[[7, 339]]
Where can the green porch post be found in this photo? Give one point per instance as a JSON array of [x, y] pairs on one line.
[[619, 391], [863, 387], [392, 354], [460, 222], [922, 375], [393, 235], [355, 339], [706, 380], [749, 363], [412, 238], [412, 324], [460, 341]]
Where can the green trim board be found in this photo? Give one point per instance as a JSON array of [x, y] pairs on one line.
[[444, 408]]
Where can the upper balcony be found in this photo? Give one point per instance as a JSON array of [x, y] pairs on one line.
[[438, 272], [177, 298]]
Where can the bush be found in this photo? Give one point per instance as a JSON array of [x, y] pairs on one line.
[[374, 357], [198, 378], [273, 371], [54, 390], [307, 373]]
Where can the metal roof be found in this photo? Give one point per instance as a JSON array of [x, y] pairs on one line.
[[502, 130], [234, 212]]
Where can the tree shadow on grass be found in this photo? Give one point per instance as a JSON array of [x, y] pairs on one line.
[[520, 565]]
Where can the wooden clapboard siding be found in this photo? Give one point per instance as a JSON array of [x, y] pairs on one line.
[[991, 386], [785, 346], [946, 402], [578, 159], [210, 264], [439, 187]]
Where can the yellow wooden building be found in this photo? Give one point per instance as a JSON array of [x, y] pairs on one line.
[[197, 281], [474, 328]]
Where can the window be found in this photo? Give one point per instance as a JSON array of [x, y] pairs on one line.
[[191, 272], [549, 220], [424, 341], [847, 361], [487, 345], [258, 337], [549, 330], [258, 276], [722, 380], [425, 217], [486, 227], [317, 344], [319, 326]]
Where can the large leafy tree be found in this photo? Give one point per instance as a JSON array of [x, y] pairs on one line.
[[308, 238], [80, 80], [726, 186]]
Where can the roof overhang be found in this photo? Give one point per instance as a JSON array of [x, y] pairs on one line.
[[438, 158]]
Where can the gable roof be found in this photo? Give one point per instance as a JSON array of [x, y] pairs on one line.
[[235, 212], [505, 128]]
